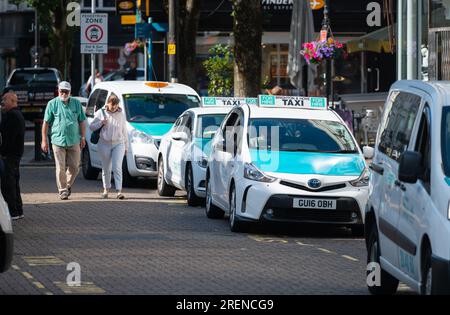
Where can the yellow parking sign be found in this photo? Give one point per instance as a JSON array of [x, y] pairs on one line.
[[172, 49]]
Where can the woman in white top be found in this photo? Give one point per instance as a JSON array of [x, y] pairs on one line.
[[113, 143]]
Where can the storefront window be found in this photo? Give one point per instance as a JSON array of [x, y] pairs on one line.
[[440, 13]]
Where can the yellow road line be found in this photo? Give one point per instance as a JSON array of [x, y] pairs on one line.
[[85, 288], [350, 258], [303, 244], [43, 261], [27, 275], [325, 250], [38, 285]]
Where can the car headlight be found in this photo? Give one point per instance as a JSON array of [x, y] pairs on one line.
[[253, 173], [140, 137], [203, 162], [363, 180]]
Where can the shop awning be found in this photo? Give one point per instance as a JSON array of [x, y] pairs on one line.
[[377, 41]]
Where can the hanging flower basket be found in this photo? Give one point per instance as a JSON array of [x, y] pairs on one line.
[[317, 51], [130, 47]]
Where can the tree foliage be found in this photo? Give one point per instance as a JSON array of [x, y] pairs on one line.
[[219, 68], [247, 31], [52, 19]]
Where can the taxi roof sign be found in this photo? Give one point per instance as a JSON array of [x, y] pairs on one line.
[[293, 102], [228, 101]]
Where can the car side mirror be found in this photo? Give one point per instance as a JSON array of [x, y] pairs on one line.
[[180, 136], [368, 152], [410, 167]]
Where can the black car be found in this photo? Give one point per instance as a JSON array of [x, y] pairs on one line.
[[34, 88]]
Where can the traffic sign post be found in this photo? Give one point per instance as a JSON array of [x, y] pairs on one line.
[[94, 33]]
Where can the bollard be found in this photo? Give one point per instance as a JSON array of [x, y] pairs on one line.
[[37, 140]]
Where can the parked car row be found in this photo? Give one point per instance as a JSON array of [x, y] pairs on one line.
[[291, 159]]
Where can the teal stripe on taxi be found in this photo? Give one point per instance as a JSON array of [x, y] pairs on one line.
[[330, 164], [152, 129], [447, 180]]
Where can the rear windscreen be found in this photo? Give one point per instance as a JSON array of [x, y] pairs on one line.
[[29, 77]]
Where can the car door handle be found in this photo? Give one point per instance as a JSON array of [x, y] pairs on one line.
[[400, 185], [376, 168]]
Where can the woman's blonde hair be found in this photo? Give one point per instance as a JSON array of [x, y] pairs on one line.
[[114, 99]]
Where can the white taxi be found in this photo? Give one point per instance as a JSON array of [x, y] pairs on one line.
[[150, 108], [289, 159], [408, 211], [184, 149]]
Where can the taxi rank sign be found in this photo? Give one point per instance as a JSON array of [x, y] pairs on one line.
[[292, 101], [94, 33]]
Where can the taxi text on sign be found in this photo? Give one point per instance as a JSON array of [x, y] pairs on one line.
[[94, 33]]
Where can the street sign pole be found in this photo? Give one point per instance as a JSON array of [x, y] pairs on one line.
[[150, 54], [172, 41], [93, 55]]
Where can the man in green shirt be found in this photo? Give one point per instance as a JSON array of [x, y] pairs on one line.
[[67, 120]]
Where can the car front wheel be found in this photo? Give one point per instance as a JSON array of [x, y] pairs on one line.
[[386, 284], [212, 211], [164, 189]]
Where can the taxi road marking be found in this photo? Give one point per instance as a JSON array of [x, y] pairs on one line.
[[84, 288], [325, 250], [350, 258], [27, 275], [43, 261]]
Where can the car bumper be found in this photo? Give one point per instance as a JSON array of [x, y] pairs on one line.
[[257, 198], [199, 180], [6, 251], [142, 160]]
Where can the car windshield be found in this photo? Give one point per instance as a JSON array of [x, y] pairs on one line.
[[157, 108], [446, 140], [207, 125], [33, 77], [300, 135]]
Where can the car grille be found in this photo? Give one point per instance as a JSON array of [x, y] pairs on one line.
[[301, 187], [312, 215]]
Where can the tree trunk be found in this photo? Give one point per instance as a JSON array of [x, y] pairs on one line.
[[189, 14], [247, 29], [61, 41]]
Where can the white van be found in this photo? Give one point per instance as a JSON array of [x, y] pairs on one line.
[[150, 109], [407, 219]]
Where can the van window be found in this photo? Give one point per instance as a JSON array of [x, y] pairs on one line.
[[423, 146], [101, 99], [445, 139], [90, 109], [397, 129]]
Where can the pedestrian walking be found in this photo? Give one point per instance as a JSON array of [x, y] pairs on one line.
[[113, 143], [12, 128], [67, 120], [89, 86]]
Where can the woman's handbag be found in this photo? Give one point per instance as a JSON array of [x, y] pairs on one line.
[[95, 136]]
